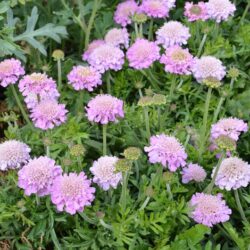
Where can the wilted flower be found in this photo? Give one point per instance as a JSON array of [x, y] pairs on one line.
[[172, 33], [104, 109], [117, 37], [77, 150], [72, 192], [166, 150], [224, 142], [233, 73], [139, 18], [195, 12], [159, 99], [233, 173], [123, 165], [84, 77], [13, 154], [91, 47], [209, 209], [132, 153], [104, 172], [145, 101], [10, 71], [48, 114], [38, 175], [142, 54], [193, 172]]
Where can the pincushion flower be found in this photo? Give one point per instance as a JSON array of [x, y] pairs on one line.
[[220, 10], [195, 12], [10, 71], [48, 114], [117, 37], [172, 33], [106, 57], [13, 154], [38, 175], [104, 109], [104, 172], [91, 47], [208, 67], [209, 209], [84, 77], [142, 54], [72, 192], [166, 150], [233, 173], [231, 127], [193, 172], [177, 60], [124, 12]]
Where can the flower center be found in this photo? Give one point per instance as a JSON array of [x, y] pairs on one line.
[[49, 109], [83, 72], [155, 5], [179, 55], [71, 187], [196, 10], [5, 67], [37, 78]]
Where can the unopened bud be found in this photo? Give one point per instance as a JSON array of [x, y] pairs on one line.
[[58, 54], [132, 153], [77, 150], [123, 165]]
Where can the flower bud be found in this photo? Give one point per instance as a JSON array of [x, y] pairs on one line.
[[159, 99], [58, 54], [77, 150], [145, 101], [123, 165], [132, 153], [139, 18], [233, 73]]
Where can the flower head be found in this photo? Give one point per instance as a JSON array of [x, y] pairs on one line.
[[208, 66], [104, 109], [72, 192], [124, 12], [13, 154], [231, 127], [104, 172], [106, 57], [209, 209], [84, 77], [10, 71], [142, 54], [177, 60], [193, 172], [195, 12], [48, 114], [91, 47], [38, 175], [166, 150], [220, 10], [233, 173], [172, 33], [117, 37], [132, 153]]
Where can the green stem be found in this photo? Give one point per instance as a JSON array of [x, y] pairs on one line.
[[105, 225], [237, 199], [25, 116], [137, 171], [231, 84], [204, 38], [108, 82], [172, 88], [217, 111], [146, 116], [159, 117], [150, 31], [141, 30], [245, 13], [47, 151], [145, 203], [123, 200], [169, 191], [79, 163], [104, 139], [187, 140], [59, 74], [79, 106], [136, 31]]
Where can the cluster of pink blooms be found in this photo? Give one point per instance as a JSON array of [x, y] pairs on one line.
[[193, 172], [209, 209], [166, 150], [117, 37], [195, 12], [91, 47]]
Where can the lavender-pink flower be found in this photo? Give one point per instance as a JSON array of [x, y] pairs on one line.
[[193, 172], [91, 47], [117, 37], [195, 12]]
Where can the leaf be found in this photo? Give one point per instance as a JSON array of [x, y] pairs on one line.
[[55, 240], [4, 6]]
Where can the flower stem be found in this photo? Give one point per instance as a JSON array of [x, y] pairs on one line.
[[47, 151], [245, 13], [123, 200], [105, 225], [59, 74], [137, 171], [145, 203], [136, 31], [150, 31], [204, 38], [237, 199], [146, 116], [104, 139], [159, 117], [172, 88], [231, 84], [217, 111], [141, 30]]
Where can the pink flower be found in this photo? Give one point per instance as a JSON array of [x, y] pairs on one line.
[[104, 172], [48, 114], [91, 47], [117, 37], [142, 54], [172, 33], [193, 172], [10, 71], [177, 60], [166, 150], [72, 192], [209, 209], [124, 12], [84, 77], [104, 109], [38, 175], [106, 57], [195, 12]]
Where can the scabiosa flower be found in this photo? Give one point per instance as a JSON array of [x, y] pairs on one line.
[[104, 109], [208, 67], [124, 12], [91, 47], [166, 150], [117, 37], [177, 60], [209, 209], [233, 174], [48, 114], [193, 172], [13, 154], [231, 127], [172, 33], [195, 12], [84, 77], [106, 57], [38, 175], [142, 54], [72, 192], [105, 174], [220, 10], [10, 71]]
